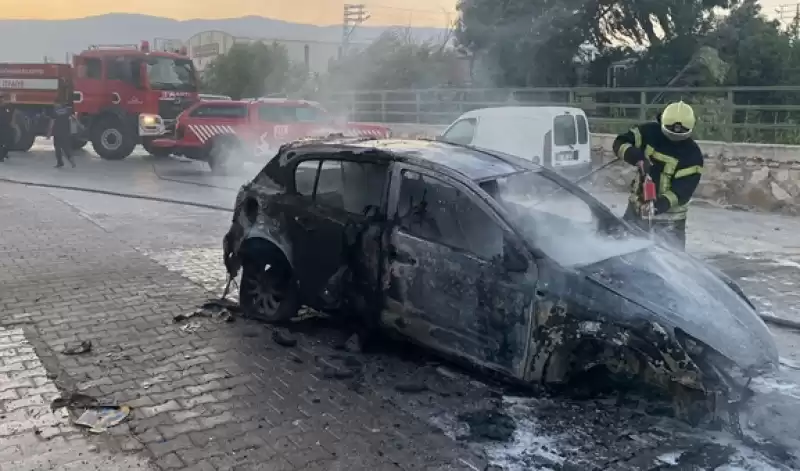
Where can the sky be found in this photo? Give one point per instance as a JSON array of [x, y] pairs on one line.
[[437, 13]]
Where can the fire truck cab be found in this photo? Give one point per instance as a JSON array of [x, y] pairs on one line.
[[126, 95]]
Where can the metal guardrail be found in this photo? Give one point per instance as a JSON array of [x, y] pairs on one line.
[[738, 114]]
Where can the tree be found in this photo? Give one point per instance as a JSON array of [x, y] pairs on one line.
[[253, 70], [759, 51], [534, 42], [396, 61]]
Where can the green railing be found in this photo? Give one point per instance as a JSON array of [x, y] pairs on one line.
[[743, 114]]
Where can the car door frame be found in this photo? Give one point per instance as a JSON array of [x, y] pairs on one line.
[[302, 208], [395, 309]]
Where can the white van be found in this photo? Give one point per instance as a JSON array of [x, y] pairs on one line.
[[554, 136]]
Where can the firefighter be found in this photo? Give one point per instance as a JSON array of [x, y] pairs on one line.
[[6, 127], [664, 150], [61, 131]]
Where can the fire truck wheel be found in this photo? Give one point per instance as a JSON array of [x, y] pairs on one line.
[[225, 153], [112, 141], [24, 139]]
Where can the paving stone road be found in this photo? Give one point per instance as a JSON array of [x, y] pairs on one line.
[[78, 266]]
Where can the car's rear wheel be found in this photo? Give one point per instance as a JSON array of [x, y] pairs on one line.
[[265, 296]]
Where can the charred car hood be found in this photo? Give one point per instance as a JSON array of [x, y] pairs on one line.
[[681, 292]]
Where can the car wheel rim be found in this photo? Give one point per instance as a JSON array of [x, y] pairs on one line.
[[265, 295], [111, 139]]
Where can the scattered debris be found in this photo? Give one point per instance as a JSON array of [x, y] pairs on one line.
[[489, 425], [222, 309], [73, 400], [221, 304], [92, 414], [99, 419], [789, 364], [190, 327], [332, 372], [77, 348], [149, 383], [447, 373], [411, 387], [283, 339], [353, 344], [190, 315]]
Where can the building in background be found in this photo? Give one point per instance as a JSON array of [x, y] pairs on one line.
[[316, 55]]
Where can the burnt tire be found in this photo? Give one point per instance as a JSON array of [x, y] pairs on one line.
[[225, 153], [112, 139], [266, 296]]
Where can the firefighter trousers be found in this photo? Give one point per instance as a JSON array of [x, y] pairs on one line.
[[63, 145], [6, 135], [673, 232]]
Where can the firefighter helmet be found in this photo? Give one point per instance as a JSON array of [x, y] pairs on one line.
[[677, 121]]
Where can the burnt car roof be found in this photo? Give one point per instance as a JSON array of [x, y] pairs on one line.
[[476, 164]]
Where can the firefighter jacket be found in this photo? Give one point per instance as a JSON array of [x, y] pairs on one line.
[[676, 168]]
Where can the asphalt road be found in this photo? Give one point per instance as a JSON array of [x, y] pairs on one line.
[[115, 270]]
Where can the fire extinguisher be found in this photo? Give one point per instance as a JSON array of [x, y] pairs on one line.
[[649, 196]]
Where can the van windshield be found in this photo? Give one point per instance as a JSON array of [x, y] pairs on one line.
[[564, 132]]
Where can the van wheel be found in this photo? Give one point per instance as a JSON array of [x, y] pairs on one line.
[[112, 140]]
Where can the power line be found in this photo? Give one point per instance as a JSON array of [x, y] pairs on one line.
[[354, 15], [788, 11]]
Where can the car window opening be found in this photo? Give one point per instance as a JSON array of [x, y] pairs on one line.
[[433, 210], [351, 186]]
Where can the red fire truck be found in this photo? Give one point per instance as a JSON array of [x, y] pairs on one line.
[[124, 95], [33, 89]]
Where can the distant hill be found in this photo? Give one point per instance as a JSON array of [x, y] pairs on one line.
[[32, 40]]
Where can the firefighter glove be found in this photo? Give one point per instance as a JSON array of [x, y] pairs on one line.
[[644, 165], [661, 205]]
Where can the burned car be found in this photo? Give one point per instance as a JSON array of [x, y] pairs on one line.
[[493, 260]]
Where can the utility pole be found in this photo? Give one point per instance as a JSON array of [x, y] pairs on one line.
[[354, 15], [788, 11]]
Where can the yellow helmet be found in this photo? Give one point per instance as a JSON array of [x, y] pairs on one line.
[[677, 121]]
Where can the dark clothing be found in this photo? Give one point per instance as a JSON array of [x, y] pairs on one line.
[[676, 168], [61, 120], [63, 145], [673, 232], [62, 134], [6, 130]]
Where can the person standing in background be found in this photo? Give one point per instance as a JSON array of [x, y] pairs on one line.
[[6, 127], [61, 131]]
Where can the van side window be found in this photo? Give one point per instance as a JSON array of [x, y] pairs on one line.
[[564, 130], [462, 132], [583, 129]]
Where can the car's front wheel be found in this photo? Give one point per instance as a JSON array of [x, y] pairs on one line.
[[265, 296]]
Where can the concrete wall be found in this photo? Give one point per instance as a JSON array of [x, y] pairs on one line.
[[749, 176]]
